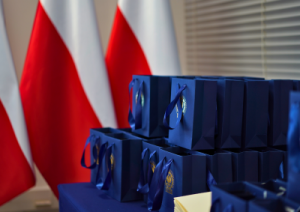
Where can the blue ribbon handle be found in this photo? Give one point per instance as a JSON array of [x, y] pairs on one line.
[[101, 156], [142, 186], [215, 206], [106, 184], [158, 196], [154, 185], [150, 173], [89, 140], [136, 123], [281, 172], [171, 106], [210, 180]]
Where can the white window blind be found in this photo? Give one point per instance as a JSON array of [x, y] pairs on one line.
[[251, 38]]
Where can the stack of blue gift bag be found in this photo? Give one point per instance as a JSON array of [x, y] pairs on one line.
[[190, 135]]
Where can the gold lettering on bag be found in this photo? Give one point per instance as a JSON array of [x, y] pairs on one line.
[[142, 98], [152, 164], [169, 182], [183, 105]]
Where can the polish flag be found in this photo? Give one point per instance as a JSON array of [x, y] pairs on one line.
[[142, 41], [64, 88], [16, 175]]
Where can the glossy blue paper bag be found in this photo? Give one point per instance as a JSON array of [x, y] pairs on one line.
[[192, 113], [230, 96], [121, 166], [219, 164], [269, 162], [149, 160], [255, 113], [278, 111], [180, 173], [95, 138], [97, 134], [244, 165], [150, 98]]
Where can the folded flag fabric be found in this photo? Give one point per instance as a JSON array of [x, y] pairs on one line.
[[193, 203], [64, 88], [16, 175]]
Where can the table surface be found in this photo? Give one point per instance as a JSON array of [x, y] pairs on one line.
[[86, 197]]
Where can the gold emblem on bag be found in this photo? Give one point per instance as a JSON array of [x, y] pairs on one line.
[[169, 182], [152, 164], [142, 98], [183, 105], [112, 161], [98, 151]]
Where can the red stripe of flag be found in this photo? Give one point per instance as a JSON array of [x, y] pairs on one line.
[[16, 175], [57, 111], [124, 58]]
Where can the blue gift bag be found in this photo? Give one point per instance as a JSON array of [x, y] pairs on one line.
[[255, 113], [150, 98], [149, 160], [95, 138], [230, 95], [278, 111], [219, 165], [236, 196], [293, 188], [230, 113], [269, 164], [192, 113], [244, 165], [273, 205], [121, 164], [284, 165], [179, 172]]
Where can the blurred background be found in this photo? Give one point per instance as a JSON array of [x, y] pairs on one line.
[[253, 38]]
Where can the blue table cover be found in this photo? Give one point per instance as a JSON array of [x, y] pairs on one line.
[[86, 197]]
